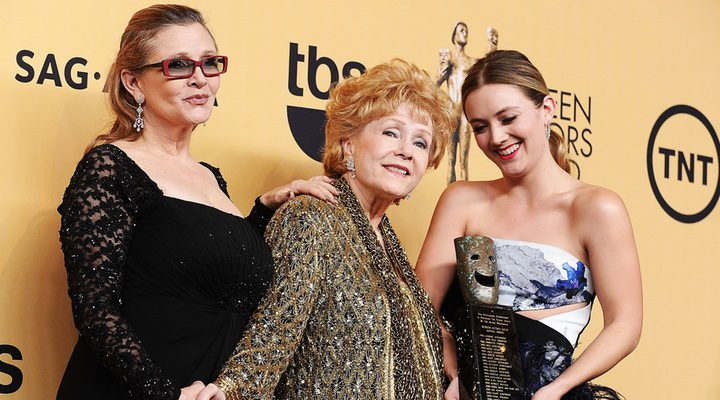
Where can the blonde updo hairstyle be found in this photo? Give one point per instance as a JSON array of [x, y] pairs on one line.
[[377, 93], [136, 45], [510, 67]]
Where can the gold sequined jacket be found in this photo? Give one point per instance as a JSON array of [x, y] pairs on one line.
[[343, 319]]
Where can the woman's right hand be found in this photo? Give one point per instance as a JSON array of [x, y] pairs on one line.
[[191, 392], [453, 390], [318, 186], [211, 392]]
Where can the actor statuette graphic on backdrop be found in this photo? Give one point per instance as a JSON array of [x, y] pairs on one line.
[[453, 70]]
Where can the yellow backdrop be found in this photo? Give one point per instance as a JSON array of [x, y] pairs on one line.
[[624, 62]]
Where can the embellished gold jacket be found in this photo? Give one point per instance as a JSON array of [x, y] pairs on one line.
[[343, 319]]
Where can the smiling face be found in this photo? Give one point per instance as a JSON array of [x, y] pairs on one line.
[[493, 36], [391, 155], [509, 128], [183, 102]]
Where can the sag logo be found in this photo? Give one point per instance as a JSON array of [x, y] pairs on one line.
[[308, 124], [15, 374], [74, 77], [682, 163]]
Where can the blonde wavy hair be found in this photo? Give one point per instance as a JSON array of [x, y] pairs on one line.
[[511, 67], [136, 45], [377, 93]]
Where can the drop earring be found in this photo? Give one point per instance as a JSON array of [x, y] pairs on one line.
[[350, 165], [547, 132], [139, 122]]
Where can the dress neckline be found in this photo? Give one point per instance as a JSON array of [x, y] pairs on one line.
[[202, 205], [162, 194], [538, 244]]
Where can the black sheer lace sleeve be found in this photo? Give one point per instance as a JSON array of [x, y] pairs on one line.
[[98, 212], [260, 215]]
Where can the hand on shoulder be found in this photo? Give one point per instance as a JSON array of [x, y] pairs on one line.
[[191, 392], [318, 186]]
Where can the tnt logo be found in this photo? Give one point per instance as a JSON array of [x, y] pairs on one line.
[[308, 124], [683, 165]]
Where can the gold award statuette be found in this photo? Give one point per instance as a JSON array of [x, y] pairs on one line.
[[488, 359]]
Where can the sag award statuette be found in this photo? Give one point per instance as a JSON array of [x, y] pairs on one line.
[[488, 359]]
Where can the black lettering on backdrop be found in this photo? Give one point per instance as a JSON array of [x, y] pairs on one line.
[[314, 62], [562, 105], [293, 61], [308, 124], [577, 105], [572, 137], [49, 71], [15, 374], [352, 66], [573, 116], [74, 76], [20, 58], [686, 163], [585, 133], [82, 75]]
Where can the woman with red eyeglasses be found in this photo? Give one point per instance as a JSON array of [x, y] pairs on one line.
[[163, 269]]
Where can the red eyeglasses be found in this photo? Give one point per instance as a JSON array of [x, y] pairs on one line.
[[180, 67]]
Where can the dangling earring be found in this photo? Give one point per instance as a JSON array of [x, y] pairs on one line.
[[547, 131], [139, 122], [350, 165], [407, 196]]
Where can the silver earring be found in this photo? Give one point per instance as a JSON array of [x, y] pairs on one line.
[[407, 196], [547, 132], [139, 122], [350, 165]]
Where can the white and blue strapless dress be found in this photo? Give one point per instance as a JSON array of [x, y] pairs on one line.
[[534, 276]]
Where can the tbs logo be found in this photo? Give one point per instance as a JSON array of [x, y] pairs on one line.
[[682, 163], [8, 370], [308, 124]]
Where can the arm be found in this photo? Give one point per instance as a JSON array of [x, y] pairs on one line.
[[265, 205], [443, 74], [608, 237], [318, 186], [436, 264], [298, 236], [96, 228], [260, 216]]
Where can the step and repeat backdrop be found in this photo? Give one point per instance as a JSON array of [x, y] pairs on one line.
[[636, 85]]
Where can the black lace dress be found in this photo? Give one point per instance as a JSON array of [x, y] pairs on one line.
[[161, 288]]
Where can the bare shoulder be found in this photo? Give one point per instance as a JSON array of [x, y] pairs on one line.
[[591, 198], [458, 205], [596, 207], [467, 192]]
